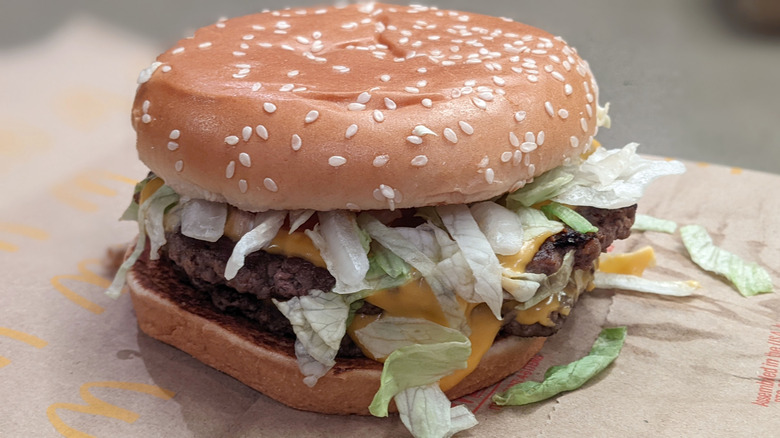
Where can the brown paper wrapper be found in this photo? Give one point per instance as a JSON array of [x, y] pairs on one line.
[[73, 363]]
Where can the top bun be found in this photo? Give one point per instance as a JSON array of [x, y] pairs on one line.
[[366, 106]]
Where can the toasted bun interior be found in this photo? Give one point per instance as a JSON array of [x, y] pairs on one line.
[[367, 106], [176, 314]]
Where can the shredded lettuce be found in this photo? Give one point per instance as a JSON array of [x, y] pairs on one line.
[[544, 187], [393, 239], [570, 217], [549, 285], [343, 247], [319, 322], [150, 212], [479, 256], [203, 220], [501, 227], [427, 413], [643, 222], [535, 223], [604, 280], [298, 218], [153, 218], [614, 178], [562, 378], [417, 352], [749, 278], [267, 225]]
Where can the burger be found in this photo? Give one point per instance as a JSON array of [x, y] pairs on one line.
[[371, 207]]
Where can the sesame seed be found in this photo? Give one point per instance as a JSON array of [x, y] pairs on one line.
[[390, 104], [336, 160], [517, 157], [489, 175], [584, 124], [486, 96], [175, 134], [589, 109], [532, 78], [230, 170], [295, 142], [287, 87], [256, 86], [581, 70], [520, 116], [293, 73], [479, 103], [450, 135], [246, 132], [352, 206], [262, 132], [179, 165], [499, 81], [384, 78], [364, 97], [341, 68], [354, 106], [242, 185], [558, 76], [146, 118], [379, 116], [381, 160], [411, 89], [568, 89], [465, 127], [351, 130], [270, 185], [172, 145], [414, 139], [574, 141], [177, 50], [532, 168], [530, 137], [589, 97], [311, 116], [269, 107], [386, 191], [513, 140], [562, 113], [239, 53], [528, 146], [244, 159], [302, 40], [419, 161], [506, 156], [540, 138], [231, 140], [549, 108], [427, 103]]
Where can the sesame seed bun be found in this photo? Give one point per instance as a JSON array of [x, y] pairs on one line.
[[367, 106]]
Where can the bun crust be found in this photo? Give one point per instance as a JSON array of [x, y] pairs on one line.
[[363, 107], [174, 313]]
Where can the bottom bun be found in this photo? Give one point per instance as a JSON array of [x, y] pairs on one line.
[[173, 312]]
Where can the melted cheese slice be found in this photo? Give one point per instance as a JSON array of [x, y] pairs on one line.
[[296, 244], [630, 263]]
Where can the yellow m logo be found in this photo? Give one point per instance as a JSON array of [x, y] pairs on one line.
[[71, 191], [20, 336], [84, 276], [96, 406]]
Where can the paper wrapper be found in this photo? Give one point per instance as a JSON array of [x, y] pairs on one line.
[[73, 363]]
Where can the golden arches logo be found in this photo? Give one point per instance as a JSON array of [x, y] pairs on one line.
[[91, 182], [87, 276], [21, 230], [96, 406], [22, 337]]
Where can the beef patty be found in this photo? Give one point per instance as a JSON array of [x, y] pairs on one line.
[[266, 276]]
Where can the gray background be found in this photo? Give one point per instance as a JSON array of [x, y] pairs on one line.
[[688, 79]]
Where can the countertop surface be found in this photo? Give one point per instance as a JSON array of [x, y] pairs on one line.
[[685, 79]]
